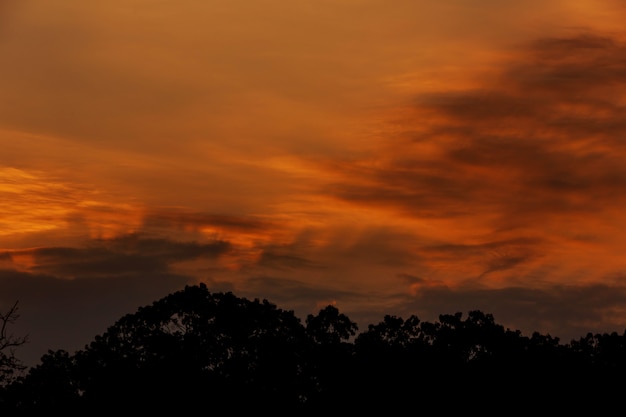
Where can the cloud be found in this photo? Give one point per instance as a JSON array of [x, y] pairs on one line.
[[277, 258], [489, 256], [124, 255], [185, 219], [533, 152], [549, 126]]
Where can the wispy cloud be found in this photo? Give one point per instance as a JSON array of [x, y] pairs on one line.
[[532, 154], [124, 255]]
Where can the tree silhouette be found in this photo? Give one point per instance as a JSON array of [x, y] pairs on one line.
[[389, 372], [187, 349], [330, 327], [10, 365], [52, 385], [330, 358], [196, 350], [215, 346]]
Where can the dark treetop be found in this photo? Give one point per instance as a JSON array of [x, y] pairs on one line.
[[214, 352]]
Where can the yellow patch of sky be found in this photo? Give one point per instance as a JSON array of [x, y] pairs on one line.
[[32, 202], [30, 205]]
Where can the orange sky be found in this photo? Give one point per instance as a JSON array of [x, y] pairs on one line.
[[404, 157]]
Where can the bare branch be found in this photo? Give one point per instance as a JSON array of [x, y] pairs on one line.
[[10, 365]]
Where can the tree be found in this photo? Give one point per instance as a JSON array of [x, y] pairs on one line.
[[392, 332], [330, 360], [10, 365], [194, 349], [330, 326], [188, 350]]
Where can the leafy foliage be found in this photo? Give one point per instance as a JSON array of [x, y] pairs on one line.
[[195, 349]]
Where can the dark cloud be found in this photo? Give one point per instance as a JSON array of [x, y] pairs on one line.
[[130, 254], [461, 249], [380, 246], [96, 261], [570, 66], [503, 263], [493, 256], [165, 249], [280, 259], [536, 149], [411, 279], [376, 246], [179, 218], [543, 138]]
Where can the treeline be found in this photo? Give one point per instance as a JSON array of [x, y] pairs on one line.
[[215, 352]]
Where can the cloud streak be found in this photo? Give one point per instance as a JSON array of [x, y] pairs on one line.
[[123, 255], [534, 153]]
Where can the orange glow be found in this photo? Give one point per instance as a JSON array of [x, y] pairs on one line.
[[371, 154], [23, 260], [109, 220], [34, 203], [30, 204]]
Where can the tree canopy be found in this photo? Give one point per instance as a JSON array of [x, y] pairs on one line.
[[197, 349]]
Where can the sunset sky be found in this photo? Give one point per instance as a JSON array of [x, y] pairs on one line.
[[385, 156]]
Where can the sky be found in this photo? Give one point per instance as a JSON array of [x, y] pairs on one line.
[[401, 157]]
